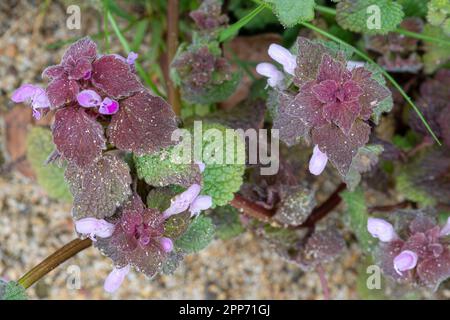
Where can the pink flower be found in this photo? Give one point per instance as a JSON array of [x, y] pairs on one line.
[[33, 95], [201, 165], [94, 227], [189, 199], [381, 229], [108, 106], [275, 77], [89, 99], [318, 161], [115, 278], [166, 244], [132, 56], [200, 203], [284, 57], [406, 260]]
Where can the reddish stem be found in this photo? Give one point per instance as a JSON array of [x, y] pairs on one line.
[[172, 46], [251, 209], [323, 282]]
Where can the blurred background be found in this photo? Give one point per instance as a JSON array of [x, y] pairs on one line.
[[33, 224]]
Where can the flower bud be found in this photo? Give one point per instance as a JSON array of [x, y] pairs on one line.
[[166, 244], [182, 201], [108, 106], [94, 227], [406, 260], [89, 99], [381, 229], [318, 161], [275, 77], [200, 203], [115, 278]]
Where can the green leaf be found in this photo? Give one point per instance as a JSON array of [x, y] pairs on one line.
[[439, 15], [406, 186], [165, 168], [50, 177], [198, 235], [176, 225], [222, 179], [233, 30], [357, 216], [414, 8], [139, 34], [12, 291], [227, 222], [291, 12], [436, 54], [159, 198], [369, 16]]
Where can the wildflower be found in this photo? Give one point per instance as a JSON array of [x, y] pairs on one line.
[[318, 161], [275, 76], [421, 247], [381, 229], [189, 199], [284, 57], [94, 227], [34, 95], [115, 279]]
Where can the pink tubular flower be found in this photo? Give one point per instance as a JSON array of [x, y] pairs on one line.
[[132, 56], [284, 57], [200, 203], [166, 244], [318, 161], [34, 95], [89, 99], [381, 229], [405, 261], [115, 278], [94, 227], [275, 76], [189, 199], [108, 106]]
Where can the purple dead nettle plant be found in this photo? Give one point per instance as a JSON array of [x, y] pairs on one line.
[[414, 249], [101, 113], [324, 99]]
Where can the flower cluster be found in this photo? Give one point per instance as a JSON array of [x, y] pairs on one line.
[[331, 108], [137, 237], [418, 253], [89, 92]]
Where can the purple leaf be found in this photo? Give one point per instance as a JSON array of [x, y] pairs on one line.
[[53, 72], [84, 48], [434, 270], [77, 136], [62, 91], [144, 124], [341, 148], [100, 188], [114, 77]]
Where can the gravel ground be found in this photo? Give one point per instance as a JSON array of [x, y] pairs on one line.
[[32, 226]]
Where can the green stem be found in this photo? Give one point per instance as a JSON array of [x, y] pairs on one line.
[[105, 27], [54, 260], [234, 28], [386, 74], [325, 9], [126, 46]]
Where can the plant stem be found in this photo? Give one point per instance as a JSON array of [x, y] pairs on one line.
[[386, 74], [251, 209], [388, 208], [173, 92], [256, 211], [326, 207], [54, 260]]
